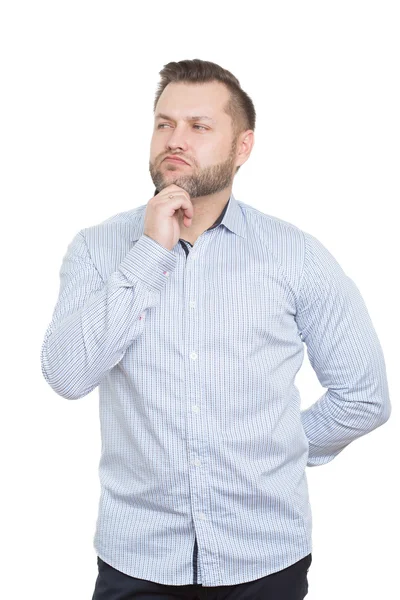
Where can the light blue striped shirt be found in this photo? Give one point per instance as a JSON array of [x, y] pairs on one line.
[[195, 351]]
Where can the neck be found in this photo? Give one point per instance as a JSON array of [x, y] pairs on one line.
[[206, 210]]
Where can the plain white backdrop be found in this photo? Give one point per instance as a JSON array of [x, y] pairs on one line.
[[78, 81]]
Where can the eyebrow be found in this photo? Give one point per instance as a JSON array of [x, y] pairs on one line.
[[196, 118]]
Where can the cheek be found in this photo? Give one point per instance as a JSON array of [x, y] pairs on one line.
[[157, 154], [156, 148], [207, 154], [217, 150]]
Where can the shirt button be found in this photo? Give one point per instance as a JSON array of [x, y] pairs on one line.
[[202, 516], [196, 462], [192, 304], [166, 273], [193, 355], [195, 409]]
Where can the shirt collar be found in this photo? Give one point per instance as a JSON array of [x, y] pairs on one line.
[[231, 217], [221, 216]]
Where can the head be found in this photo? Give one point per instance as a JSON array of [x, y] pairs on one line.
[[216, 143]]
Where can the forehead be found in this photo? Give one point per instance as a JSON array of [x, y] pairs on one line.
[[186, 100]]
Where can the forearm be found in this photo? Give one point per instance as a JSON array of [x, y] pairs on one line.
[[342, 415], [83, 345]]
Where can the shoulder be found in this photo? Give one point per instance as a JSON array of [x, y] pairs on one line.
[[119, 226], [271, 226], [282, 238]]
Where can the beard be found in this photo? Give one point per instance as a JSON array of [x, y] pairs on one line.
[[203, 182]]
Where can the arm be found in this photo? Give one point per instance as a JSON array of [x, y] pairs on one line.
[[94, 321], [345, 353]]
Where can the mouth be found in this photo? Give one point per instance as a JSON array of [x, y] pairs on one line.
[[176, 160]]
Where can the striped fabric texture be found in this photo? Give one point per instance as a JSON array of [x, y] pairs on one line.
[[194, 352]]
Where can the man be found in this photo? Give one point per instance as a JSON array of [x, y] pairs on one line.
[[191, 313]]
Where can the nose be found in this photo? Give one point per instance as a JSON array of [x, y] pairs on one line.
[[176, 140]]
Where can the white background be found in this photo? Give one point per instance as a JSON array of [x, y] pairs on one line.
[[78, 81]]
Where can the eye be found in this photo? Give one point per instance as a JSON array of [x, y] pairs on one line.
[[201, 126]]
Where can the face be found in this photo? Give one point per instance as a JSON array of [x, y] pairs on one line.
[[206, 145]]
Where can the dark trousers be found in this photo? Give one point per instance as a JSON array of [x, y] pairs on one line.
[[289, 584]]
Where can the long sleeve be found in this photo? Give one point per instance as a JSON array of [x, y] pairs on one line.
[[345, 353], [94, 321]]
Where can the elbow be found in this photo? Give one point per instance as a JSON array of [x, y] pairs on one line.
[[54, 380], [376, 399], [62, 390], [386, 411], [379, 412], [68, 383], [69, 393], [66, 389], [385, 407]]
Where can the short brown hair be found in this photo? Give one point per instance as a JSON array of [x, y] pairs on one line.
[[240, 106]]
